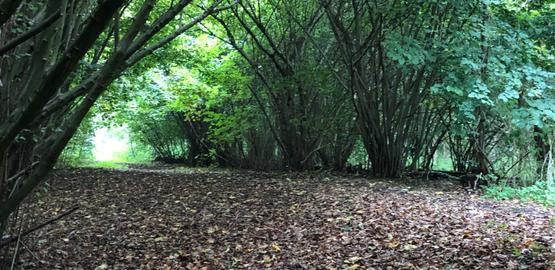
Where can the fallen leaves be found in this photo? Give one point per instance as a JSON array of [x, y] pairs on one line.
[[393, 244], [409, 247], [222, 220], [276, 247], [160, 239]]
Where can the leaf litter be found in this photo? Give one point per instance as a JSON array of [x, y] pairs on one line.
[[164, 219]]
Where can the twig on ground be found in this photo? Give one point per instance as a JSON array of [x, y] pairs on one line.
[[14, 238]]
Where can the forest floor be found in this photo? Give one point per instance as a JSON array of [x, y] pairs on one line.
[[160, 218]]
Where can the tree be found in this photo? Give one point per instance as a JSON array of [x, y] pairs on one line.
[[61, 66], [392, 51], [497, 78], [272, 37]]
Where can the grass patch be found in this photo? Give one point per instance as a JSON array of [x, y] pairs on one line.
[[540, 193]]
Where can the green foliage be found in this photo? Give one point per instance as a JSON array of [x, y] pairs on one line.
[[159, 100], [138, 152], [539, 192], [442, 164], [358, 157], [405, 50], [79, 150], [212, 88], [493, 60], [142, 107]]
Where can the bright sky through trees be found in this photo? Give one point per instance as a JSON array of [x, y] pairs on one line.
[[110, 143]]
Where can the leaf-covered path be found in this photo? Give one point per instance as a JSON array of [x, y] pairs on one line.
[[141, 219]]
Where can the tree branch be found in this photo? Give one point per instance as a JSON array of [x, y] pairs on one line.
[[134, 57], [57, 75], [30, 33], [14, 238]]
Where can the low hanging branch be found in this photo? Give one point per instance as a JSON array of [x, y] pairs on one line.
[[14, 238]]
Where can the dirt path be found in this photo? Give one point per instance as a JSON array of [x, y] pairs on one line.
[[140, 219]]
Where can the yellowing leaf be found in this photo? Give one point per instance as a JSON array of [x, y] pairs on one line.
[[393, 244], [276, 247]]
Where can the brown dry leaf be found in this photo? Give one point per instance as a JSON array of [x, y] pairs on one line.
[[393, 244]]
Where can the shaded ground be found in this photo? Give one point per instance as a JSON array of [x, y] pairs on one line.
[[160, 219]]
